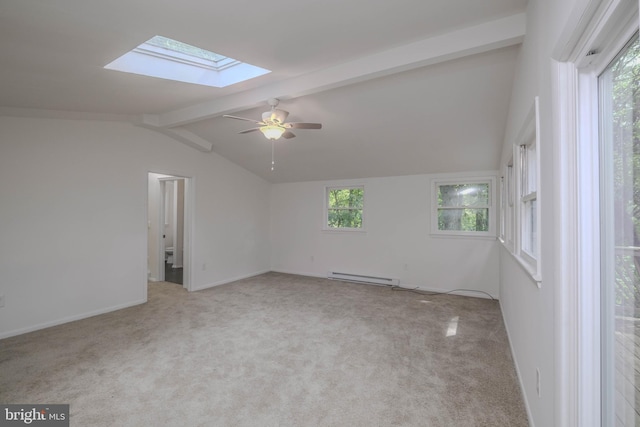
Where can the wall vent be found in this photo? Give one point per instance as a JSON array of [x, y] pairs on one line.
[[357, 278]]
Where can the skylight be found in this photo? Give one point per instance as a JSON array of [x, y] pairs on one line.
[[170, 59]]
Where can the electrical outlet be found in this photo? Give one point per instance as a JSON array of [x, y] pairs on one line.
[[2, 300], [204, 266], [406, 267], [312, 258], [538, 381]]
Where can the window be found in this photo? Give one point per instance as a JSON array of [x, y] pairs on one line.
[[503, 209], [463, 207], [522, 198], [619, 94], [506, 206], [344, 208], [528, 224], [179, 47], [170, 59], [528, 200], [596, 136]]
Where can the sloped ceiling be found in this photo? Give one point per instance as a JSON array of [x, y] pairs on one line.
[[404, 87]]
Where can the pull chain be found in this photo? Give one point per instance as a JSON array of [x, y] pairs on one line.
[[273, 162]]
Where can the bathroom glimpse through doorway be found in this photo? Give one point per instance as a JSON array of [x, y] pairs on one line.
[[168, 225]]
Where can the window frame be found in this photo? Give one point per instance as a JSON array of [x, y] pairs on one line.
[[608, 365], [528, 195], [487, 179], [525, 189], [581, 53], [326, 208], [507, 211]]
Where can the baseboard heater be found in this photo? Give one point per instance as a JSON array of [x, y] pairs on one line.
[[357, 278]]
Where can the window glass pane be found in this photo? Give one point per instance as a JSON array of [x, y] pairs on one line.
[[187, 49], [530, 236], [344, 207], [531, 168], [345, 218], [463, 219], [620, 127], [463, 195], [346, 197], [510, 185]]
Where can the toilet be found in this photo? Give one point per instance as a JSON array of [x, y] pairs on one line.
[[168, 255]]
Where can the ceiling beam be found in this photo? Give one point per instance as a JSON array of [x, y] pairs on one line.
[[149, 121], [456, 44]]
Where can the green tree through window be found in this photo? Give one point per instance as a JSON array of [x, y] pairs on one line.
[[463, 207], [344, 207]]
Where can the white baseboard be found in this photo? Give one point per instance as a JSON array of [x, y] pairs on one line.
[[515, 363], [299, 273], [229, 280], [68, 319], [152, 279]]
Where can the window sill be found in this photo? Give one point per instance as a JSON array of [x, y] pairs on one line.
[[462, 236], [344, 230], [527, 267]]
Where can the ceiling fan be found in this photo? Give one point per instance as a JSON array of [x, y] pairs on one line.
[[273, 125]]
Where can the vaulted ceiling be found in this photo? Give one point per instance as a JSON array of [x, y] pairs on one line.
[[402, 87]]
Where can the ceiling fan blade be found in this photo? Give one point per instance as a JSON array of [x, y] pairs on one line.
[[288, 135], [242, 118], [250, 130], [303, 125]]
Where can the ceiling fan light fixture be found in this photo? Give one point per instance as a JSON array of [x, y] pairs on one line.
[[272, 132]]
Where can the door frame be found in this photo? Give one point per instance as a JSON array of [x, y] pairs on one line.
[[187, 261]]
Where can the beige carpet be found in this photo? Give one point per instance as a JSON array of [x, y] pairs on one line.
[[274, 350]]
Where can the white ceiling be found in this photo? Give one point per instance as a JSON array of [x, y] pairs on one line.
[[402, 87]]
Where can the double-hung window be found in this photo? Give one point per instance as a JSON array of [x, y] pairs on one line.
[[509, 214], [344, 208], [522, 198], [528, 201], [463, 207]]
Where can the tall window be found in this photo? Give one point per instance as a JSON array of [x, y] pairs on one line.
[[503, 209], [528, 199], [507, 208], [619, 92], [522, 221], [510, 220], [463, 207], [344, 208]]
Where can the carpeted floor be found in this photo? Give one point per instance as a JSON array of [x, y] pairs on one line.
[[274, 350]]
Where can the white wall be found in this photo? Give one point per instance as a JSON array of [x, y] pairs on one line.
[[527, 310], [73, 217], [153, 215], [396, 244]]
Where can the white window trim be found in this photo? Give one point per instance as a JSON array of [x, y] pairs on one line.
[[502, 225], [527, 191], [491, 180], [325, 210], [595, 34], [508, 213], [529, 135], [590, 131]]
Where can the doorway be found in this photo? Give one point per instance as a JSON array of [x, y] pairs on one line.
[[168, 229]]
